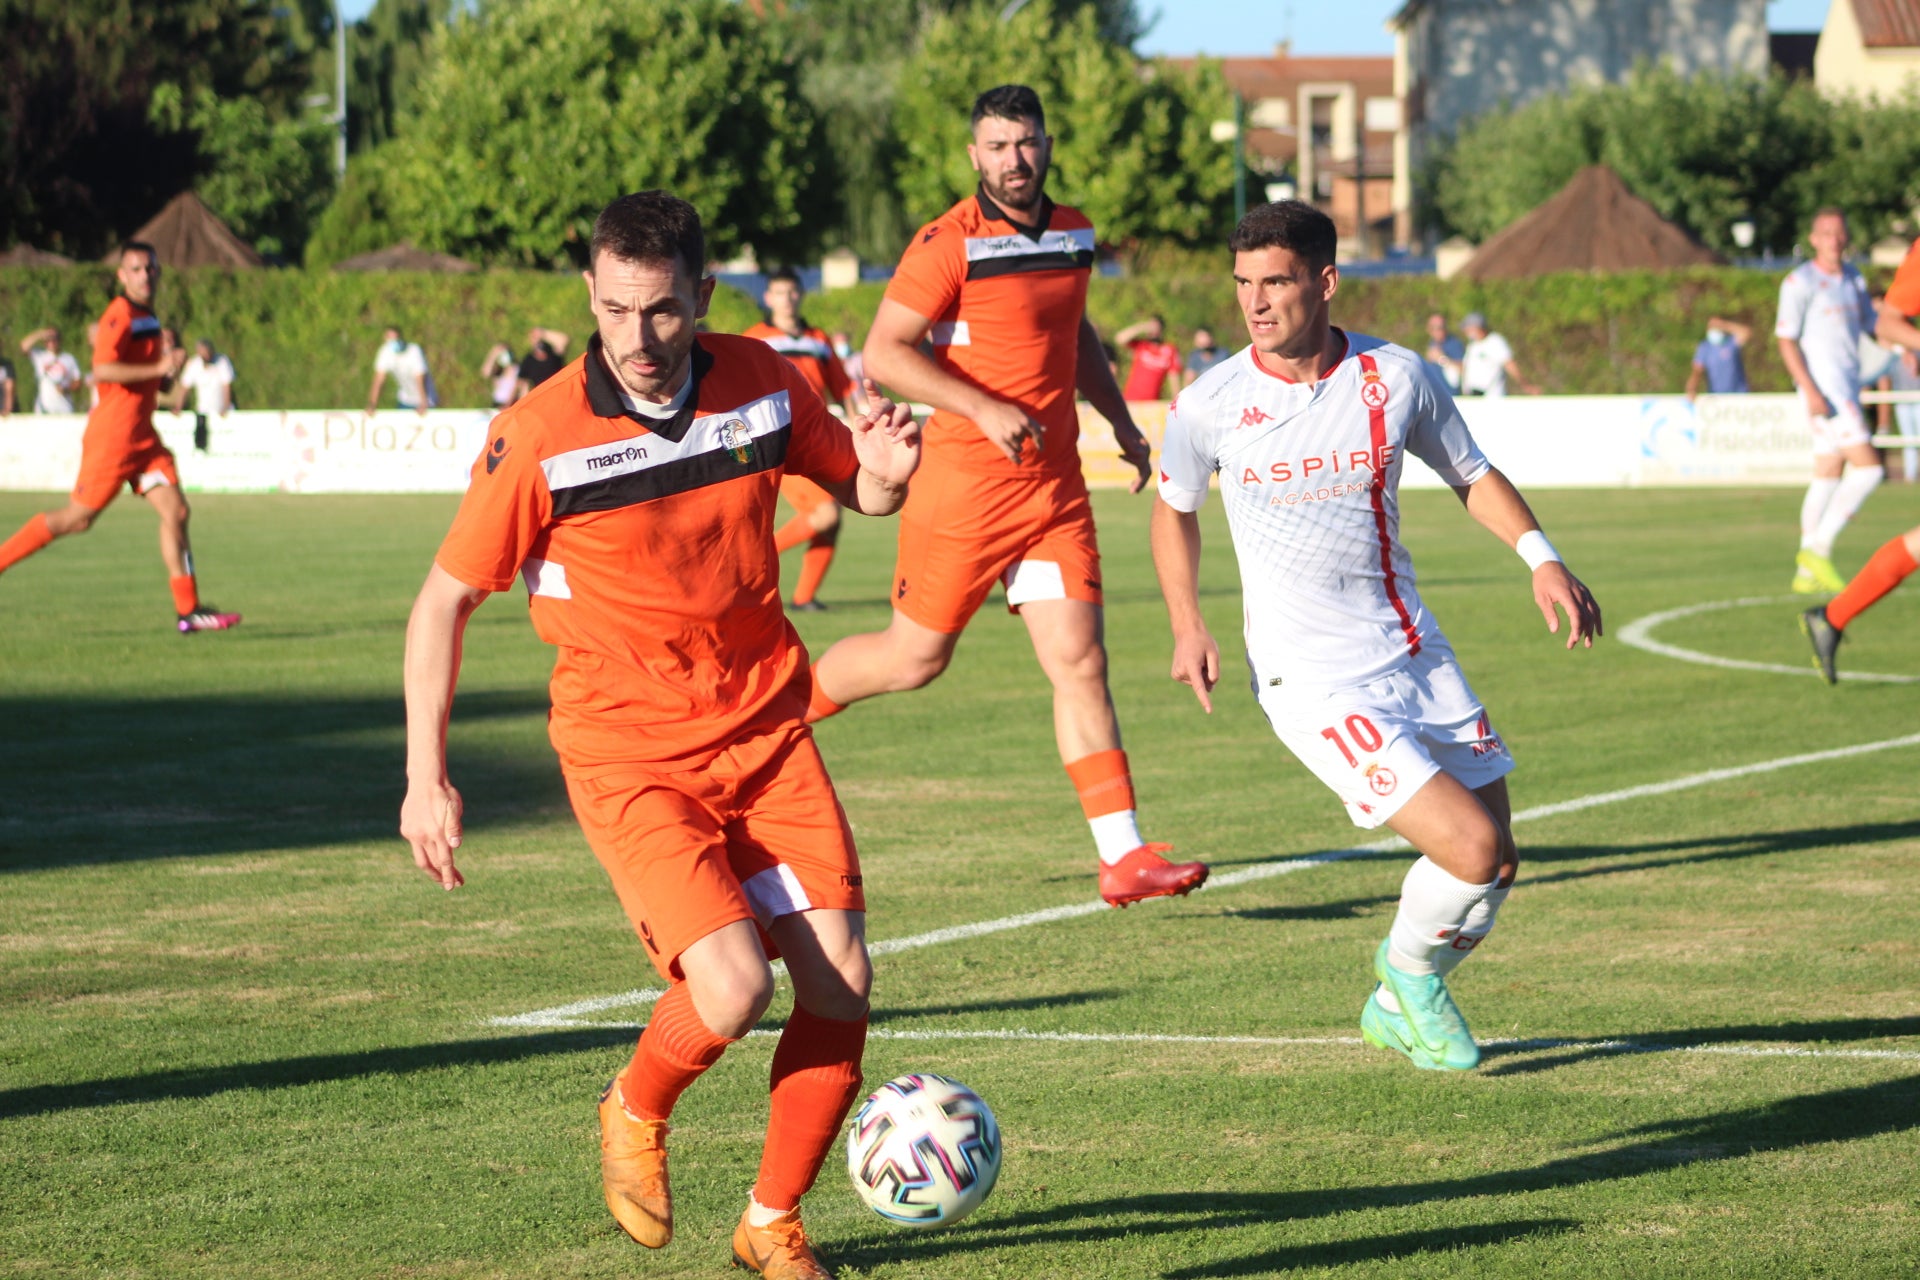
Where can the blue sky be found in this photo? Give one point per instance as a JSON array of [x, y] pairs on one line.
[[1223, 27]]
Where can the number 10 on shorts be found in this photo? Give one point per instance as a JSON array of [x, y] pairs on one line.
[[1363, 733]]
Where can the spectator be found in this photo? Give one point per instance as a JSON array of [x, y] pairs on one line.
[[412, 380], [209, 375], [1445, 352], [1487, 361], [1204, 356], [1155, 360], [56, 371], [1903, 418], [546, 356], [1717, 359], [6, 387], [502, 372]]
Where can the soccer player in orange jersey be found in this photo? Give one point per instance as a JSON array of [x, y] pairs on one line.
[[132, 357], [818, 520], [998, 286], [634, 493]]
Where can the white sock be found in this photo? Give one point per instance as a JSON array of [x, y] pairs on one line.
[[1847, 499], [758, 1215], [1433, 906], [1814, 505], [1115, 835], [1473, 931]]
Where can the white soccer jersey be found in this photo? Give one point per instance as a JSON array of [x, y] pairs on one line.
[[1311, 480], [1827, 314]]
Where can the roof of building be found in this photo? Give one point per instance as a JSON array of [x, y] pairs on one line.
[[1888, 24], [404, 257], [25, 255], [1594, 223], [185, 233], [1280, 77]]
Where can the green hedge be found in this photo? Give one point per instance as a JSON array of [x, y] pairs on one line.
[[307, 339]]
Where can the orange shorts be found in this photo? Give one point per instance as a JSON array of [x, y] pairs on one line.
[[104, 469], [802, 494], [755, 834], [960, 533]]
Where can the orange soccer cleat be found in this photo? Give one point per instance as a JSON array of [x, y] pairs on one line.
[[1145, 874], [633, 1169], [779, 1251]]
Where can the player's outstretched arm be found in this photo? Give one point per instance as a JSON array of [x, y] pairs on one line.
[[1093, 379], [430, 815], [1495, 503], [1175, 536], [1896, 330], [893, 358], [886, 440]]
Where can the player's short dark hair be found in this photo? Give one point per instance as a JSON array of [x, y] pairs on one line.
[[1293, 225], [650, 226], [1826, 211], [788, 274], [1009, 102], [138, 246]]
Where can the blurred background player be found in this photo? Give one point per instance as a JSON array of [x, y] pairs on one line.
[[56, 373], [1824, 310], [1155, 361], [998, 286], [1895, 559], [634, 492], [131, 360], [1307, 431], [817, 522]]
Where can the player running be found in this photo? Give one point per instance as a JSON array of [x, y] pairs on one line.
[[998, 286], [132, 358], [1896, 558], [1307, 430], [1824, 310], [634, 494], [817, 522]]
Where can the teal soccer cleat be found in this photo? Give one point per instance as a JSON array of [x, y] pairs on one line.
[[1430, 1013], [1390, 1031]]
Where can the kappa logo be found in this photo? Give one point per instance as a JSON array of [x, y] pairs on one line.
[[1381, 779], [496, 453], [1373, 391], [1489, 743], [1253, 416]]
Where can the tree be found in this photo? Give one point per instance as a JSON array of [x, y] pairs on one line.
[[388, 52], [269, 179], [536, 113], [1132, 143]]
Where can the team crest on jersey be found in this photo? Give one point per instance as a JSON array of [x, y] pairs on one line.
[[1381, 779], [737, 440], [1373, 390]]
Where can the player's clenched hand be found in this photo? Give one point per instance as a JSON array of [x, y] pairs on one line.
[[886, 438], [1554, 586], [430, 821], [1196, 663], [1009, 427], [1136, 453]]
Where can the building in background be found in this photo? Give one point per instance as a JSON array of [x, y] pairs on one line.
[[1454, 59], [1869, 47]]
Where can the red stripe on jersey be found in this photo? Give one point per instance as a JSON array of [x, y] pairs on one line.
[[1377, 428]]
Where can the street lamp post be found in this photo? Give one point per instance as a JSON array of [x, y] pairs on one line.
[[1235, 131], [339, 90]]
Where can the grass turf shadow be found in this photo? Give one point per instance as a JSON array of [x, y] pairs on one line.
[[1585, 1048], [1839, 1115]]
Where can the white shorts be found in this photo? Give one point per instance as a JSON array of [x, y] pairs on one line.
[[1378, 743], [1847, 427]]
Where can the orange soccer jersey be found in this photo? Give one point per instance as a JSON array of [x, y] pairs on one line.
[[812, 354], [120, 446], [1006, 303], [647, 551], [1903, 295]]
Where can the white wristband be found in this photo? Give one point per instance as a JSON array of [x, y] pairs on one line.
[[1534, 548]]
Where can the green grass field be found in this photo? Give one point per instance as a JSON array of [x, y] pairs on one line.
[[241, 1036]]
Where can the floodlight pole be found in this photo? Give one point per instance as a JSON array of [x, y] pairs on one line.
[[339, 90], [1239, 157]]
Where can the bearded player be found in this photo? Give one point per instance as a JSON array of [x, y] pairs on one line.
[[997, 288], [1307, 430], [132, 357], [634, 493]]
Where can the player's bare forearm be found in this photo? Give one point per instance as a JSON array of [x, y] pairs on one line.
[[894, 360], [1094, 381], [373, 396], [1495, 504], [1796, 362], [886, 440], [1896, 330], [34, 339], [431, 815], [1175, 540]]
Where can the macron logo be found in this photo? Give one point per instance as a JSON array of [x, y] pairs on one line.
[[632, 453], [1253, 417]]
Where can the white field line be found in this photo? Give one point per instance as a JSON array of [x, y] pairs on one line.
[[1639, 634], [572, 1015]]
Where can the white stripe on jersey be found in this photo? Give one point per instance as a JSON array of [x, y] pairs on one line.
[[706, 434], [788, 345], [951, 333], [1313, 503], [1015, 245], [1827, 315]]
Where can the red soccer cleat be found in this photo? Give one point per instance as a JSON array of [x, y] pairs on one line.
[[1145, 874], [207, 618]]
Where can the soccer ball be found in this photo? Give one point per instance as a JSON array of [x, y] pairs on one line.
[[923, 1151]]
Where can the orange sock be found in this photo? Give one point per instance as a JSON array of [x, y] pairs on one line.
[[186, 596], [674, 1050], [1106, 796], [32, 536], [820, 706], [792, 533], [813, 567], [816, 1075], [1886, 570]]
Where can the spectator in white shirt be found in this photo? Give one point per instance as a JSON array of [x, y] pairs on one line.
[[209, 375], [1488, 362], [57, 371], [412, 381]]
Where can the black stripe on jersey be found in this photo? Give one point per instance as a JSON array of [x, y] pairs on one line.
[[668, 479], [988, 268]]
